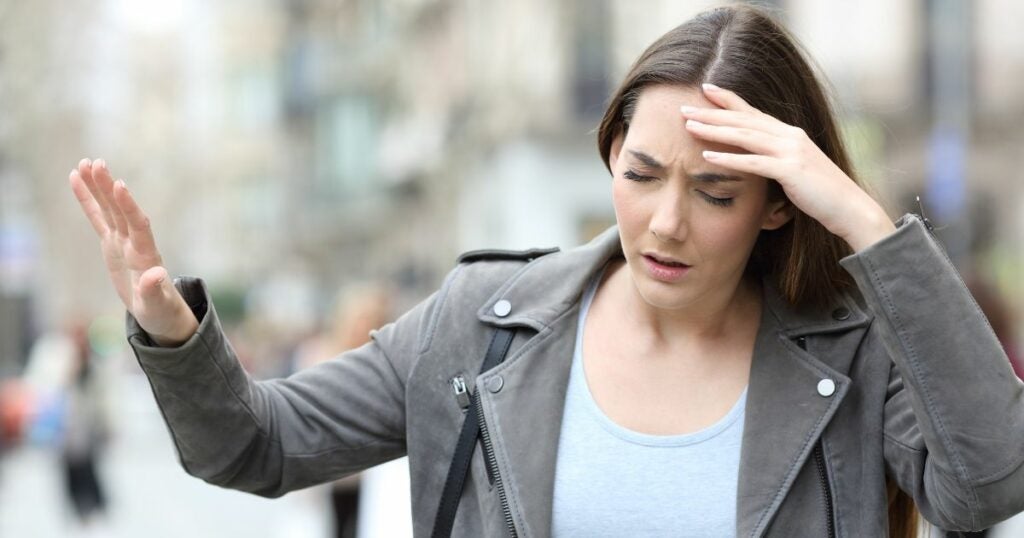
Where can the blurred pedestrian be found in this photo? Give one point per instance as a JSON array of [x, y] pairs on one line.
[[66, 375], [755, 325], [86, 430]]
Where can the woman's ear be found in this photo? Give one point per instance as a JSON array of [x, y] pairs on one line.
[[777, 214]]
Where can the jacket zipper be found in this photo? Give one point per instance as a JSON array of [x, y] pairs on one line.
[[826, 490], [461, 394], [819, 460], [492, 469], [924, 220]]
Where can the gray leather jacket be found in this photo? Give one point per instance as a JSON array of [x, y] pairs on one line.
[[923, 393]]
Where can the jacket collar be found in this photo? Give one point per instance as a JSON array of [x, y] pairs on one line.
[[548, 286], [526, 423]]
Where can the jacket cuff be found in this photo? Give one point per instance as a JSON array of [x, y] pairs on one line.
[[174, 359], [909, 246]]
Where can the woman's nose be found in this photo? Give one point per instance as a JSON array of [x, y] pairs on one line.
[[669, 220]]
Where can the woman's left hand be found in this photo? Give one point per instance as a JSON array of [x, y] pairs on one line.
[[779, 151]]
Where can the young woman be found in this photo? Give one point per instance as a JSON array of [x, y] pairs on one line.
[[755, 349]]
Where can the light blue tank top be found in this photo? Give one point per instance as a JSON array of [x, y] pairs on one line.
[[611, 481]]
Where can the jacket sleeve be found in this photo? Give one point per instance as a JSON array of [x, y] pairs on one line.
[[954, 415], [272, 437]]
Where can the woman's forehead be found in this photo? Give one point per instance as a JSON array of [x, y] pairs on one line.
[[661, 98], [657, 134]]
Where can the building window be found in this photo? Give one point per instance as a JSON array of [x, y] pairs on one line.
[[591, 35], [346, 145]]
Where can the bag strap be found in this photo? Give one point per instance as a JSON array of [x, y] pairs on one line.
[[459, 466]]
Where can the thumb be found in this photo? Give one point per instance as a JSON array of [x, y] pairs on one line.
[[162, 311], [156, 288]]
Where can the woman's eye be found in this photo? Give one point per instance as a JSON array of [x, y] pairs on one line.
[[633, 176], [723, 202]]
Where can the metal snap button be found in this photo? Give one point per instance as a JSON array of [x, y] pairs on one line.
[[840, 314], [502, 308], [495, 383], [826, 387]]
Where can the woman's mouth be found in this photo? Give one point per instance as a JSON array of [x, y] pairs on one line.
[[663, 269]]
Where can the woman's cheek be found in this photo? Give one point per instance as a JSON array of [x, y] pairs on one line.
[[627, 205]]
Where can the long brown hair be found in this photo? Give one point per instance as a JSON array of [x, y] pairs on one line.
[[744, 49]]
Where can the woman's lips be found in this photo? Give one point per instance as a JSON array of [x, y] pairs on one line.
[[665, 273]]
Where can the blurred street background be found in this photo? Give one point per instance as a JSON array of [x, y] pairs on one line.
[[304, 155]]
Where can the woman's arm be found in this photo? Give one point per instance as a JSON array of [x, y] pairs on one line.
[[954, 416], [264, 437], [272, 437]]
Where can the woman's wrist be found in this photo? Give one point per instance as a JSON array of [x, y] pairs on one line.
[[869, 229], [181, 334]]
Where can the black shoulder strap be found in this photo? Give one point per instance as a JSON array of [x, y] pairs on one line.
[[459, 467]]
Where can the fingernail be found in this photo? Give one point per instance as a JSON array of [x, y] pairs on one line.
[[100, 163], [694, 123], [687, 109], [84, 162], [711, 155], [710, 87]]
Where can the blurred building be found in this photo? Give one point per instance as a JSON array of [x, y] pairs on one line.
[[298, 143]]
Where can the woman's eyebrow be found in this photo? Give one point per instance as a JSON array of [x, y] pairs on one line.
[[711, 177], [647, 159], [704, 177]]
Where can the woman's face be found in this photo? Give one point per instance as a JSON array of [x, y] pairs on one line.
[[687, 226]]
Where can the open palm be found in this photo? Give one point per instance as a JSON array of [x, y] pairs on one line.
[[130, 253]]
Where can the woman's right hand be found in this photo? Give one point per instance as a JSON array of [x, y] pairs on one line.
[[132, 259]]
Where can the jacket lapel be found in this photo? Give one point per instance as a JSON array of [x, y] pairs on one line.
[[524, 417], [525, 421], [785, 413]]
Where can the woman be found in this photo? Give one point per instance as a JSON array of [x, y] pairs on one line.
[[765, 352]]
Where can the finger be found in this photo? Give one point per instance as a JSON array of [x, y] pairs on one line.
[[89, 206], [734, 118], [105, 184], [85, 172], [725, 98], [751, 140], [760, 165], [139, 230]]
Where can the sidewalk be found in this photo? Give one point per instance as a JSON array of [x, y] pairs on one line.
[[149, 494]]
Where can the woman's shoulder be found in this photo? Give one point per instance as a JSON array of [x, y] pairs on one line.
[[524, 286], [536, 268], [487, 270]]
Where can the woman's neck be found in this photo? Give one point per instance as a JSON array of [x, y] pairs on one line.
[[715, 317]]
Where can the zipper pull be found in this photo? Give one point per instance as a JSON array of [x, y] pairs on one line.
[[927, 223], [461, 394]]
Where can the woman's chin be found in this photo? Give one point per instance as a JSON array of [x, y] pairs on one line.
[[662, 295]]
